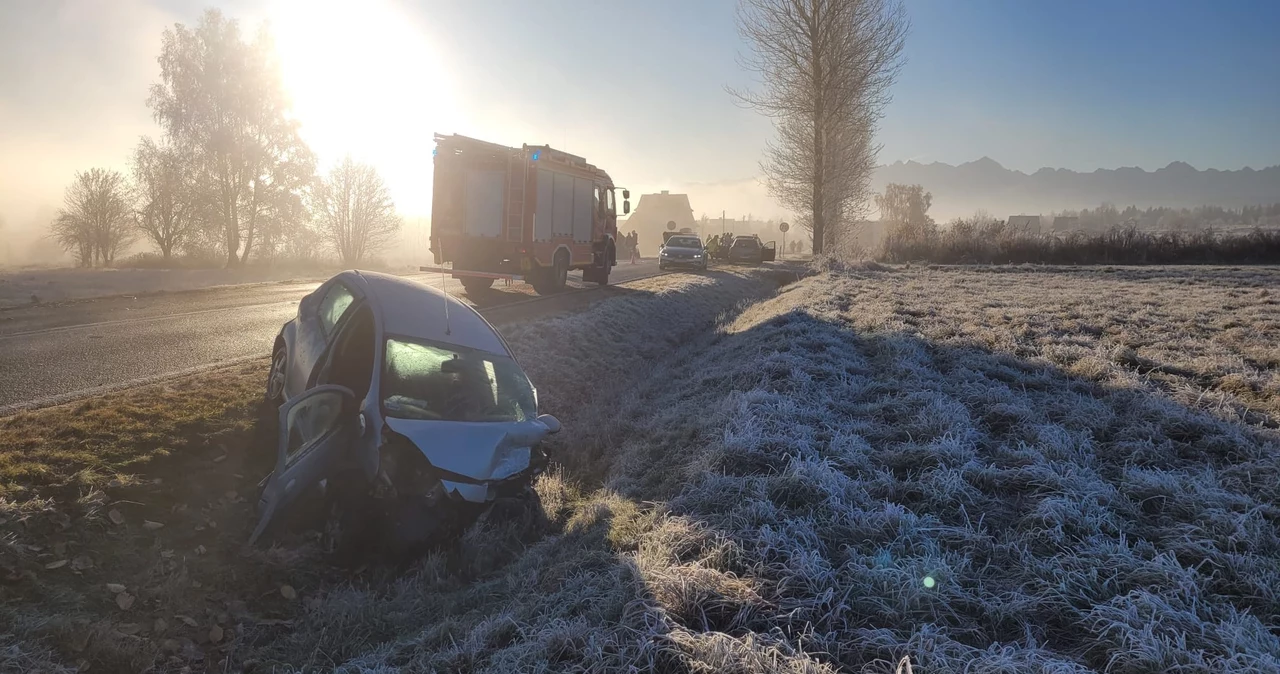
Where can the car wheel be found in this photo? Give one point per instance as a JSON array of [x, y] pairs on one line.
[[276, 376]]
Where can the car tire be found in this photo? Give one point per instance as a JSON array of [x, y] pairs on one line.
[[276, 376], [273, 397]]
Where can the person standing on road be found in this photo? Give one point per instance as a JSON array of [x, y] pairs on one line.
[[635, 246]]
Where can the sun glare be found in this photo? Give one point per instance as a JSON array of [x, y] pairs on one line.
[[365, 80]]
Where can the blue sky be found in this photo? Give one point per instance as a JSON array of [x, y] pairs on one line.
[[1088, 84], [639, 87]]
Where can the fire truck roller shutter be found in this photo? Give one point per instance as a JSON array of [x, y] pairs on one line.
[[562, 211], [484, 202], [583, 209], [546, 197]]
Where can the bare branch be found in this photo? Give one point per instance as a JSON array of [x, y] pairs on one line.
[[355, 212], [96, 220]]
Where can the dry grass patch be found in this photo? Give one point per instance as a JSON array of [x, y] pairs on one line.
[[93, 442]]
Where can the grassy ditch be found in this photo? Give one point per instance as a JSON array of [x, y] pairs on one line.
[[123, 519]]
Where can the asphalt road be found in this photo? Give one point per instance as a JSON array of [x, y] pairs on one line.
[[53, 353]]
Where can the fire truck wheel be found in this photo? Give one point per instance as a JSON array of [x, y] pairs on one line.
[[473, 284], [540, 279], [560, 272]]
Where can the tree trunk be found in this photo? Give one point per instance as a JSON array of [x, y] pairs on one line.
[[252, 229], [248, 240], [232, 232], [233, 247], [819, 156]]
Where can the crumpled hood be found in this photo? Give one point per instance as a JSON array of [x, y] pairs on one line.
[[478, 450]]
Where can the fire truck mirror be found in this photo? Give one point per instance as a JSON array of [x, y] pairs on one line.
[[626, 206], [626, 194]]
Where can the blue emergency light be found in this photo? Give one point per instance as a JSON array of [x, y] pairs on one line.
[[535, 155]]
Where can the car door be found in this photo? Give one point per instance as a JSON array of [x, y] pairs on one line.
[[318, 317], [315, 428], [769, 252]]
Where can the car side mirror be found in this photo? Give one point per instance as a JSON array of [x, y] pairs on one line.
[[552, 423], [626, 206]]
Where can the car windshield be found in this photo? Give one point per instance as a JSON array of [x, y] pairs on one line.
[[438, 382], [744, 243], [684, 242]]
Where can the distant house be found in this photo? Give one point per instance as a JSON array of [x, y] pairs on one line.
[[651, 215], [1066, 223], [1030, 223]]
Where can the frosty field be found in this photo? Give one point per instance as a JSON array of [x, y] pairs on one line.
[[987, 470], [984, 470]]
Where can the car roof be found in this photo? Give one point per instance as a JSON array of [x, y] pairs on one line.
[[413, 309]]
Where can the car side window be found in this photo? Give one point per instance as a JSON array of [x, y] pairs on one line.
[[334, 304], [311, 419]]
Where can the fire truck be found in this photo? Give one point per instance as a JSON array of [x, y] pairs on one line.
[[531, 213]]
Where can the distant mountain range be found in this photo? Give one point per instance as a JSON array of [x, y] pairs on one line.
[[985, 184]]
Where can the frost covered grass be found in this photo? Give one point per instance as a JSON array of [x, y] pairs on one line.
[[1050, 470]]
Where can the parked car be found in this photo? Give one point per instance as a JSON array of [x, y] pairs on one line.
[[749, 249], [402, 409], [682, 250]]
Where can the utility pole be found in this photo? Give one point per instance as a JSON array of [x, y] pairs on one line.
[[722, 222]]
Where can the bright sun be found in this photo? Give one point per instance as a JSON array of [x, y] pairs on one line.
[[365, 81]]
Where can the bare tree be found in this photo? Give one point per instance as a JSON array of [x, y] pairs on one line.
[[826, 67], [355, 211], [221, 101], [96, 220], [905, 206], [167, 198]]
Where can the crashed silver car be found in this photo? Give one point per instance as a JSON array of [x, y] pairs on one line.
[[401, 408]]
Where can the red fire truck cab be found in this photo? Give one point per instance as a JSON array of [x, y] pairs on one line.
[[530, 213]]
